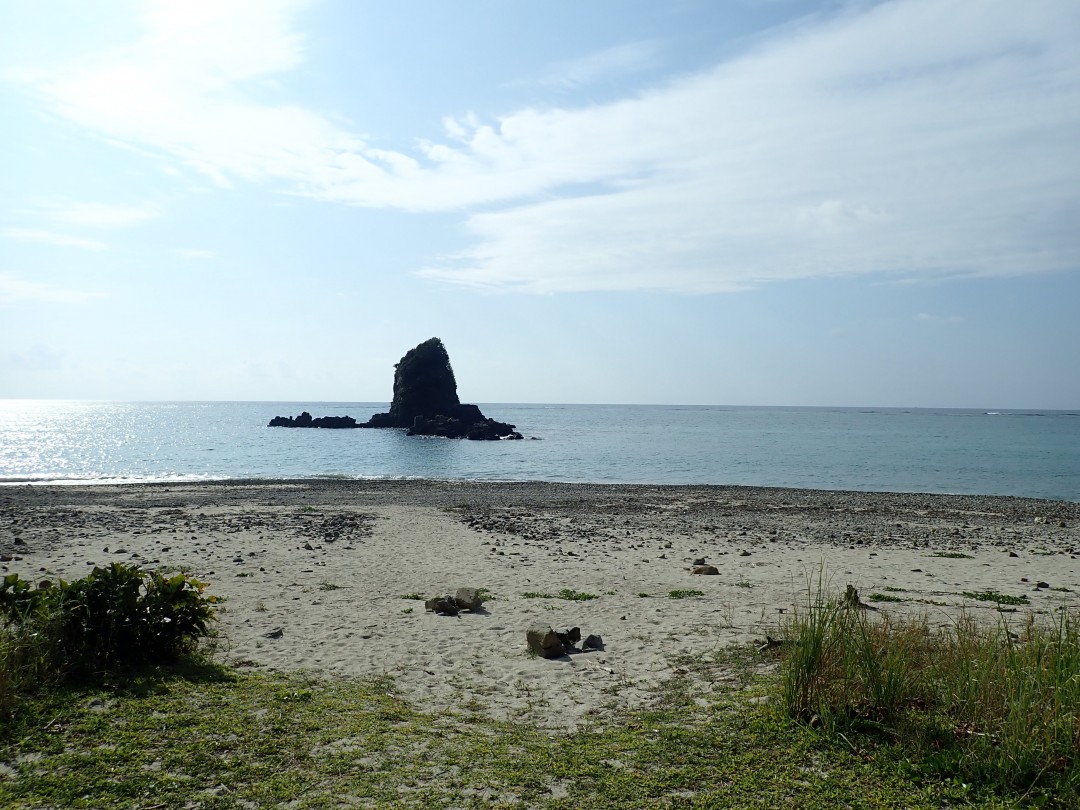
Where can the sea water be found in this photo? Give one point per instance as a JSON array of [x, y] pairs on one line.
[[1023, 453]]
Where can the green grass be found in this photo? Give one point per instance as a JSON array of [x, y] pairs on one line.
[[885, 597], [208, 737], [864, 712], [998, 598], [684, 593], [566, 593], [417, 596], [577, 596], [976, 703]]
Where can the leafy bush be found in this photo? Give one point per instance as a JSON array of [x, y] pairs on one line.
[[116, 615]]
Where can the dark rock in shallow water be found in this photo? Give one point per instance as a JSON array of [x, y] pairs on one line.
[[305, 420], [426, 401]]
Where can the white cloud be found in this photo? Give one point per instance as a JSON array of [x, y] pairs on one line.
[[51, 238], [911, 138], [13, 289]]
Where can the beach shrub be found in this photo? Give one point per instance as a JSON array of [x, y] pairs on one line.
[[117, 615]]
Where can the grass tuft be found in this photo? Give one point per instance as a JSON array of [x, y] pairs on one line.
[[998, 598], [979, 703], [885, 597]]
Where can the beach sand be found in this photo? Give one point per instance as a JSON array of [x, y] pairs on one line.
[[316, 574]]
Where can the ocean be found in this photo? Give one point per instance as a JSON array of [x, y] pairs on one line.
[[1018, 453]]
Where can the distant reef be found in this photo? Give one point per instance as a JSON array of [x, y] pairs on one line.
[[306, 420], [425, 403]]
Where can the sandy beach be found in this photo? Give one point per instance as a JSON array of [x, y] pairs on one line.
[[322, 574]]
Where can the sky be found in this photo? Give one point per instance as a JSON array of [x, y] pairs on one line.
[[750, 202]]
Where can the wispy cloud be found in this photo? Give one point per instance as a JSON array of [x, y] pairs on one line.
[[927, 316], [100, 215], [51, 238], [14, 289], [615, 61], [914, 139], [196, 253]]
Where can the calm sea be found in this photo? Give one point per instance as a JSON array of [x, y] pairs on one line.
[[1026, 453]]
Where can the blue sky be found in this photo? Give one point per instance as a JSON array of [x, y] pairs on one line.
[[749, 202]]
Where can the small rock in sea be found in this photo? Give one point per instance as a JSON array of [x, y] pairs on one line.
[[706, 570], [1013, 554], [744, 553], [592, 642], [277, 632], [1041, 585], [699, 561]]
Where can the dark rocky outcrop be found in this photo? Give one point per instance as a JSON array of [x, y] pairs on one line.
[[426, 401], [305, 420]]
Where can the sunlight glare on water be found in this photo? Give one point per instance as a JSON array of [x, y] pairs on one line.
[[1033, 454]]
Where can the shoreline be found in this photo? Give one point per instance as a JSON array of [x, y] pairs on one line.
[[402, 485], [105, 484], [331, 563]]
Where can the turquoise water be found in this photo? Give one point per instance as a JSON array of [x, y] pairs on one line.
[[1025, 453]]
